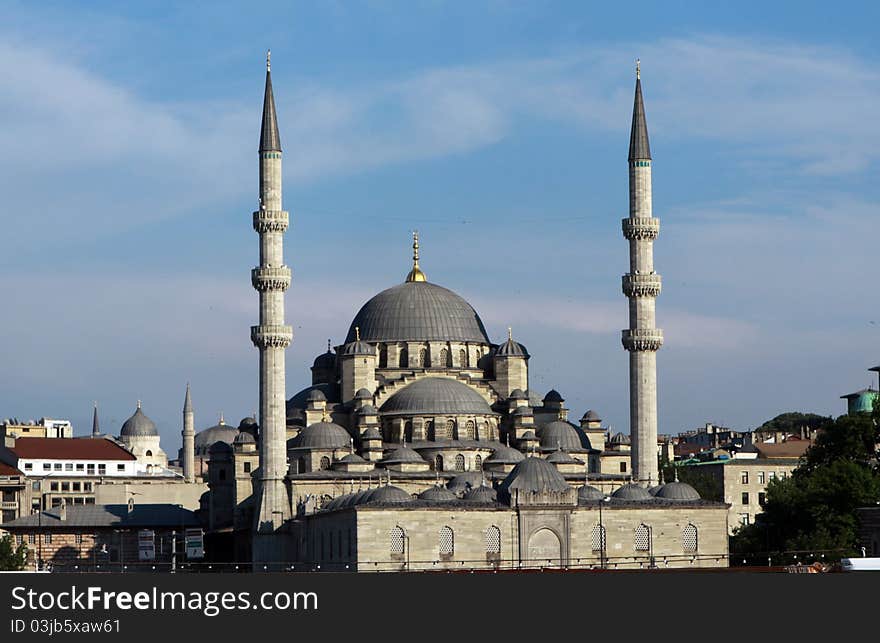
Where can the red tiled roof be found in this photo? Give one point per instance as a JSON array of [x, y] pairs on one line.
[[788, 449], [6, 470], [70, 449]]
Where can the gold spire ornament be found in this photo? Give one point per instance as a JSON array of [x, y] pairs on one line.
[[416, 273]]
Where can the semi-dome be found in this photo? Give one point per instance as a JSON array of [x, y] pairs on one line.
[[417, 311], [436, 396], [220, 432], [138, 425], [534, 475], [589, 493], [321, 435], [564, 435], [481, 495], [438, 494], [677, 491], [632, 492]]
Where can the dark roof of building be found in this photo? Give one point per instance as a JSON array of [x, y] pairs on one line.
[[220, 432], [69, 449], [417, 311], [588, 493], [619, 438], [138, 425], [325, 360], [371, 433], [436, 395], [592, 416], [504, 454], [533, 475], [270, 141], [8, 470], [638, 138], [316, 395], [561, 456], [787, 449], [152, 515], [858, 393], [363, 394]]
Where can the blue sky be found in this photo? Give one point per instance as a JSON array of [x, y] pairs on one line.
[[500, 131]]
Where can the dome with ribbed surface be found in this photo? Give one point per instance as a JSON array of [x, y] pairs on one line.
[[436, 396], [138, 425], [358, 348], [371, 434], [437, 494], [244, 438], [464, 481], [316, 395], [632, 493], [588, 493], [511, 348], [325, 360], [562, 434], [620, 438], [368, 409], [677, 491], [504, 454], [518, 394], [418, 311], [363, 394], [389, 494], [321, 435], [481, 495], [403, 454], [534, 475], [560, 456]]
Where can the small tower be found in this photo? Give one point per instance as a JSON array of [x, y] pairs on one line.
[[188, 461], [358, 367], [271, 279], [641, 285], [511, 366], [96, 430]]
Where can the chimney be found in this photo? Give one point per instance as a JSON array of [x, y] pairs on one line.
[[62, 511]]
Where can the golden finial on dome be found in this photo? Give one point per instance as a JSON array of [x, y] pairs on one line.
[[416, 273], [509, 333], [357, 333]]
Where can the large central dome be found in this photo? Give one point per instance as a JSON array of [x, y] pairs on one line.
[[417, 311]]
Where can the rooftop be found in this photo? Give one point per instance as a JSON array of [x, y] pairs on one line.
[[154, 515], [69, 449]]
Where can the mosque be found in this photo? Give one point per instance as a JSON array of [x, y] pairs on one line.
[[420, 443]]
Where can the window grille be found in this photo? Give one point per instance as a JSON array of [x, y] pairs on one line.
[[459, 462], [599, 538], [478, 462], [397, 538], [447, 542], [689, 539], [438, 463], [325, 463], [493, 540], [642, 540]]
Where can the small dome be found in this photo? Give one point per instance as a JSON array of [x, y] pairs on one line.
[[588, 493], [244, 438], [325, 360], [620, 438], [504, 454], [403, 454], [523, 411], [219, 448], [220, 432], [138, 425], [368, 409], [481, 495], [337, 502], [632, 492], [363, 394], [464, 481], [371, 434], [438, 494], [561, 456], [357, 498], [316, 395], [562, 434], [389, 494], [518, 394], [358, 348], [321, 435], [353, 458], [591, 416], [653, 490], [533, 475], [677, 491], [529, 436], [436, 396], [511, 348], [553, 396], [247, 424]]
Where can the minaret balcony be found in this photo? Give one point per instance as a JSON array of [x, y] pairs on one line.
[[642, 339], [271, 336], [641, 285], [271, 221], [641, 228], [270, 278]]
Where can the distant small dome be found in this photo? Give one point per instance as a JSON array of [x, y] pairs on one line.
[[620, 438], [371, 434], [388, 494], [247, 424], [562, 457], [321, 435], [511, 348], [677, 491], [316, 395], [352, 458], [220, 432], [588, 493], [244, 438], [523, 411], [553, 396], [358, 348], [403, 454], [438, 494], [591, 416], [465, 481], [363, 394], [368, 409], [481, 495], [562, 434], [518, 394], [632, 492], [534, 475], [504, 454], [138, 425], [529, 436], [325, 360]]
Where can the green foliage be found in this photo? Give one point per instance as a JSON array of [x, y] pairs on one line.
[[794, 421], [701, 479], [12, 558]]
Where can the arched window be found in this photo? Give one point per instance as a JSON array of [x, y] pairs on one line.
[[642, 539], [148, 453], [462, 358], [438, 463], [396, 543], [689, 539], [447, 541], [408, 431], [450, 429], [444, 358], [469, 429], [599, 538], [383, 356], [325, 463], [429, 430], [301, 465], [493, 540], [459, 462], [403, 360], [424, 360], [478, 462]]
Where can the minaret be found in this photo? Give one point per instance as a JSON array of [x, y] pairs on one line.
[[189, 439], [96, 430], [641, 285], [271, 337]]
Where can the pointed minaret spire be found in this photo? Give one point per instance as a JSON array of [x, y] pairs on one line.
[[270, 141], [188, 434], [96, 430], [416, 273], [187, 401], [638, 138]]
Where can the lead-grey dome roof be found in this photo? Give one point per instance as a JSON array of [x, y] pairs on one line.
[[437, 494], [562, 434], [464, 481], [325, 360], [679, 491], [358, 348], [588, 493], [138, 425], [560, 456], [504, 454], [418, 311], [363, 394], [592, 416], [403, 454], [316, 395], [532, 475], [321, 435], [436, 396], [244, 438], [553, 396], [632, 492], [371, 434], [511, 348], [220, 432], [620, 438], [389, 494], [481, 495]]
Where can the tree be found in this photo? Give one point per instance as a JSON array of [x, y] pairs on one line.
[[12, 558]]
